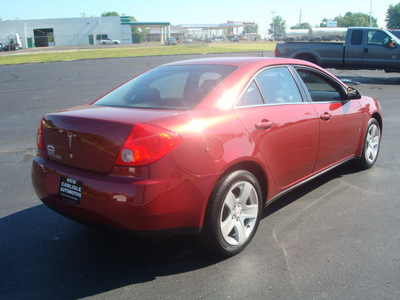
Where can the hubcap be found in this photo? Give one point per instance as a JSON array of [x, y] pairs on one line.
[[372, 143], [239, 213]]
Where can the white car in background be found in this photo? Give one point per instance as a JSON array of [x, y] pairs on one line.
[[108, 41]]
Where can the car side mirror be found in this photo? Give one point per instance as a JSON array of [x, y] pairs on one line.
[[392, 44], [352, 93]]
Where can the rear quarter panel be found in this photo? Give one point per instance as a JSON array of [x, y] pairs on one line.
[[212, 141]]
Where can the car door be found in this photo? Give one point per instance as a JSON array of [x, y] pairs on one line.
[[340, 120], [283, 127], [378, 53], [354, 49]]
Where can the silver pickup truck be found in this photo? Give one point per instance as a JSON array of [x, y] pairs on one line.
[[364, 48]]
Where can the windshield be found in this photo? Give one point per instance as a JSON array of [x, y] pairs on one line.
[[169, 87]]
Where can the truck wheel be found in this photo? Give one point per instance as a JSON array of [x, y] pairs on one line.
[[308, 57]]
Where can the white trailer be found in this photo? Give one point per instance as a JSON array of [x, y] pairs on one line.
[[327, 34], [295, 35]]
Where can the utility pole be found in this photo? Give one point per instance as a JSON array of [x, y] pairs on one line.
[[273, 24], [300, 19]]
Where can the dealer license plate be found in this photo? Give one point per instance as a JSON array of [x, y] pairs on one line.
[[70, 188]]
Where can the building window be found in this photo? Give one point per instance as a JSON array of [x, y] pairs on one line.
[[101, 37]]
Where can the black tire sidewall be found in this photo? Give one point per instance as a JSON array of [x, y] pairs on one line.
[[212, 235], [363, 162]]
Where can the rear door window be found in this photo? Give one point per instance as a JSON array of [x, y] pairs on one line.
[[278, 86], [251, 96], [356, 37]]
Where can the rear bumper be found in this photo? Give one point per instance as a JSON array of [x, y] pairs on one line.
[[169, 199]]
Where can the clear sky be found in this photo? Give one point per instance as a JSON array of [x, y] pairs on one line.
[[197, 12]]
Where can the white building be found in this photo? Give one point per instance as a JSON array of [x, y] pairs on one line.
[[66, 32], [201, 31]]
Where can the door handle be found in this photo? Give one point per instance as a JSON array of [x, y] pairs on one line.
[[264, 124], [325, 116], [365, 50]]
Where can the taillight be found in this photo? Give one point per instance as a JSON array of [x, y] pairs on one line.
[[276, 51], [39, 136], [146, 144]]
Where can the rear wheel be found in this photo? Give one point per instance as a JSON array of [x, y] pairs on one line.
[[308, 57], [233, 213], [371, 146]]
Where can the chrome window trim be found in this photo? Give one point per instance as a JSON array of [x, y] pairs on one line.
[[275, 104]]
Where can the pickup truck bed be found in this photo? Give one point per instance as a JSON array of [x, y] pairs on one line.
[[329, 54]]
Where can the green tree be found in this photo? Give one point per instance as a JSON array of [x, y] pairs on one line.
[[110, 14], [351, 19], [139, 34], [324, 23], [277, 27], [301, 26], [393, 16], [250, 29], [251, 32]]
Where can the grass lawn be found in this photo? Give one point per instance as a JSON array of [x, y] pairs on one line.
[[69, 55]]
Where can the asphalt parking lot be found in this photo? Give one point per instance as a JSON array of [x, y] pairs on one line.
[[337, 237]]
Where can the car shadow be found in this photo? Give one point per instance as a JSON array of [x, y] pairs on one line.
[[338, 172], [43, 255]]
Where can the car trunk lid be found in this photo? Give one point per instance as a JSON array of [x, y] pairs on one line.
[[90, 137]]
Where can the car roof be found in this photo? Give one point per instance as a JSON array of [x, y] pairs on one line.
[[239, 61]]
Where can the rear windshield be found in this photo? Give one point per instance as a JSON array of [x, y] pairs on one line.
[[169, 87]]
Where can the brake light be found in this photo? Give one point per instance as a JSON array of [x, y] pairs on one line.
[[39, 136], [276, 51], [146, 144]]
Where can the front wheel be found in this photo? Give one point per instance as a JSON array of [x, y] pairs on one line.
[[371, 145], [233, 213]]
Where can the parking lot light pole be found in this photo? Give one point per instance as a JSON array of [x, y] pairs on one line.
[[273, 25], [370, 14]]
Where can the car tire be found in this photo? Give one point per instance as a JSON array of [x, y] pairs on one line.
[[233, 213], [371, 145]]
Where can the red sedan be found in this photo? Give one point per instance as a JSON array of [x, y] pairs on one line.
[[202, 146]]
